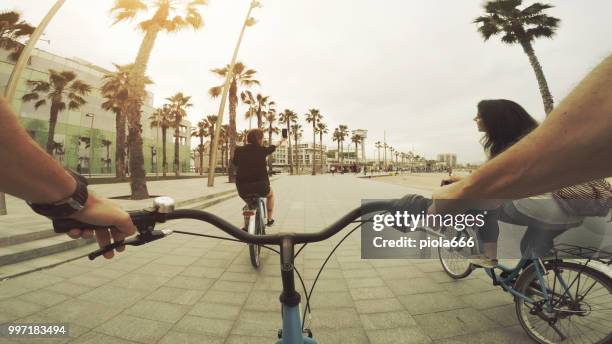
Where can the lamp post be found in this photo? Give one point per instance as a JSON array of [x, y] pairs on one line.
[[11, 86], [215, 142], [91, 143]]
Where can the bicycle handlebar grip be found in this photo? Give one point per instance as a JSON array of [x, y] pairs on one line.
[[65, 225], [93, 255]]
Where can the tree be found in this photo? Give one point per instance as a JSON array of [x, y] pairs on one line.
[[63, 90], [378, 146], [503, 17], [166, 18], [288, 117], [178, 105], [212, 122], [343, 129], [313, 116], [337, 138], [12, 31], [241, 136], [270, 119], [200, 131], [162, 118], [107, 161], [321, 129], [224, 139], [296, 129], [262, 104], [248, 99], [115, 92], [245, 77]]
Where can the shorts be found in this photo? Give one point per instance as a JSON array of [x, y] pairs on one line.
[[246, 190]]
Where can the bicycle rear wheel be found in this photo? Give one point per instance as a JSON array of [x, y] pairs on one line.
[[255, 250], [582, 309], [455, 261]]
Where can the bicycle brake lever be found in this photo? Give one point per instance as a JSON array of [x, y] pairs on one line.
[[138, 240]]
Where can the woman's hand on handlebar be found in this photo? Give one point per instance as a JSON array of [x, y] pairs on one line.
[[101, 211]]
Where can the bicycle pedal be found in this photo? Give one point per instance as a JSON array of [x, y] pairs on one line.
[[308, 332]]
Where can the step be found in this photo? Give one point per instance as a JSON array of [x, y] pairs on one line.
[[38, 248]]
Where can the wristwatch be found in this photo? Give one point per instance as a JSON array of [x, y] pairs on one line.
[[68, 206]]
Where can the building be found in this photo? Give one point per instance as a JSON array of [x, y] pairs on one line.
[[448, 159], [75, 129], [305, 153]]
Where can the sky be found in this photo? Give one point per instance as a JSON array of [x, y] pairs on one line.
[[413, 69]]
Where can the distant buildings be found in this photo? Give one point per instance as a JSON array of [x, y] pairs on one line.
[[74, 128], [449, 159]]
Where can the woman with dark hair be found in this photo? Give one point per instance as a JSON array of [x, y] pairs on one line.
[[251, 171], [504, 123]]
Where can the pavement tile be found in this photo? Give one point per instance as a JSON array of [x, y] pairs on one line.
[[268, 283], [512, 335], [399, 272], [163, 270], [203, 271], [330, 273], [503, 315], [176, 260], [453, 323], [238, 277], [257, 323], [378, 305], [187, 282], [188, 251], [69, 289], [213, 263], [215, 311], [487, 299], [134, 329], [262, 300], [113, 296], [173, 337], [329, 299], [89, 280], [218, 296], [43, 297], [377, 321], [341, 336], [371, 293], [470, 286], [80, 312], [206, 326], [176, 295], [431, 302], [66, 270], [11, 309], [411, 286], [335, 318], [232, 286], [93, 337], [156, 310], [106, 272], [136, 281], [367, 282], [360, 273], [239, 339], [404, 335]]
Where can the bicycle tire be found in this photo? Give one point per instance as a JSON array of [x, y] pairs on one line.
[[460, 267], [527, 280], [255, 250]]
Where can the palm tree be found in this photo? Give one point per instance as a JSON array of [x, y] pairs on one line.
[[343, 129], [262, 103], [162, 118], [212, 122], [115, 92], [378, 146], [63, 90], [321, 129], [503, 17], [248, 99], [296, 129], [241, 136], [288, 117], [240, 75], [178, 105], [166, 17], [338, 138], [200, 131], [12, 30], [356, 139], [224, 139], [313, 116], [270, 119], [106, 144]]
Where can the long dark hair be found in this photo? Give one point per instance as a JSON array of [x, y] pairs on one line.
[[505, 122]]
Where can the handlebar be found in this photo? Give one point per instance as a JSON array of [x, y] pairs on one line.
[[163, 210]]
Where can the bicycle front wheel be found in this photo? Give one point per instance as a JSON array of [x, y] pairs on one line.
[[455, 261], [581, 300], [255, 250]]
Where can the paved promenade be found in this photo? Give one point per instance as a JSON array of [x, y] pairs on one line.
[[197, 290]]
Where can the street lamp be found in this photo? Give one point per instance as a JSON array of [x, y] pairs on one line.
[[249, 21], [91, 150]]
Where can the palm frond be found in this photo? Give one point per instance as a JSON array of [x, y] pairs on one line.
[[216, 91], [40, 103]]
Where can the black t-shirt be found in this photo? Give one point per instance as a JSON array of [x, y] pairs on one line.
[[250, 162]]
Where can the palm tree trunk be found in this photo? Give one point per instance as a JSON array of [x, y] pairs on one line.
[[164, 153], [270, 143], [137, 94], [52, 123], [176, 150], [314, 144], [120, 144], [290, 155], [210, 150], [356, 156], [297, 154], [321, 148], [201, 150], [542, 84], [233, 103]]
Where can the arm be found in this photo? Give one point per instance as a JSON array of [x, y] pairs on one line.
[[573, 145], [29, 173]]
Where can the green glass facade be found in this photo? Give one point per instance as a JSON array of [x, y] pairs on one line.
[[76, 129]]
